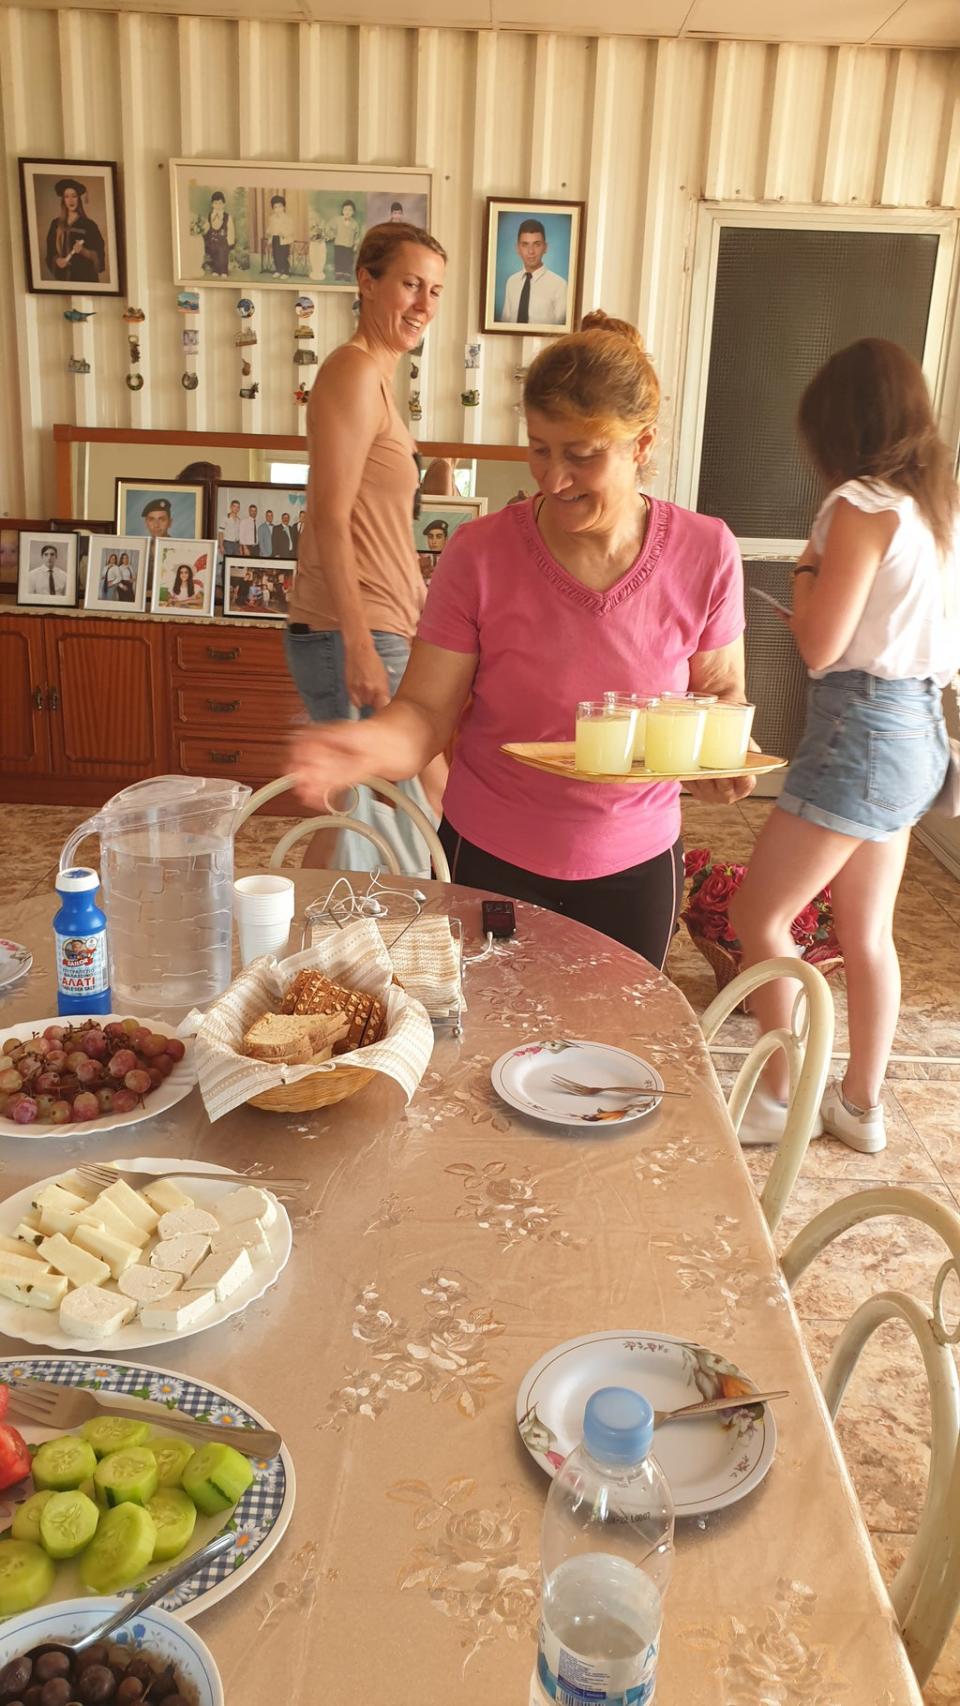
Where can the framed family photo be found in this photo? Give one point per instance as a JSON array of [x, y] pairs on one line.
[[254, 520], [159, 509], [116, 573], [47, 572], [184, 577], [257, 588], [71, 227], [436, 524], [532, 266], [284, 224]]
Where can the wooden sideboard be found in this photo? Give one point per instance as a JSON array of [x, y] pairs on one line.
[[90, 704]]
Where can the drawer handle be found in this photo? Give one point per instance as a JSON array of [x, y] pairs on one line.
[[38, 698], [53, 699], [218, 656], [224, 757], [226, 705]]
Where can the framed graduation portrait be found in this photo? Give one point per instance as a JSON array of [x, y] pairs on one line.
[[71, 227], [532, 266]]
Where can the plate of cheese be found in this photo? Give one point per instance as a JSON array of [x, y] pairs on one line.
[[83, 1268]]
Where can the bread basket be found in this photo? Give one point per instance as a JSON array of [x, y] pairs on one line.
[[320, 1090]]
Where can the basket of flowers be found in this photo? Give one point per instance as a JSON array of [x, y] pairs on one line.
[[706, 914]]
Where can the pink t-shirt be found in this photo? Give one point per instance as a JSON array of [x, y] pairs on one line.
[[544, 642]]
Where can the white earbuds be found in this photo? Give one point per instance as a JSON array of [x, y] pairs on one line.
[[370, 904]]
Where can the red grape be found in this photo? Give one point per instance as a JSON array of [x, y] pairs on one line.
[[61, 1113], [53, 1033], [138, 1080], [153, 1046], [25, 1111], [11, 1080], [114, 1029], [124, 1101], [163, 1064], [140, 1036], [121, 1063], [86, 1106], [56, 1060], [41, 1047], [131, 1026], [96, 1045], [89, 1071], [106, 1098], [11, 1044], [175, 1048], [29, 1068], [44, 1106], [156, 1079], [46, 1082], [75, 1057]]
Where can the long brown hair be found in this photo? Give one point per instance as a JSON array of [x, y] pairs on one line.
[[867, 416], [600, 376]]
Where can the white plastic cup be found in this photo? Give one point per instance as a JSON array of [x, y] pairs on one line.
[[263, 907], [726, 738]]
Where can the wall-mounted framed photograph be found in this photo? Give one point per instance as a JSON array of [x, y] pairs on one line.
[[71, 227], [436, 524], [252, 588], [252, 520], [47, 569], [532, 266], [184, 577], [286, 225], [116, 574], [158, 509]]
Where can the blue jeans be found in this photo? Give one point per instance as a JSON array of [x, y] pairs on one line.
[[316, 660]]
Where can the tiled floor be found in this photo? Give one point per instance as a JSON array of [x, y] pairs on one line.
[[884, 1425]]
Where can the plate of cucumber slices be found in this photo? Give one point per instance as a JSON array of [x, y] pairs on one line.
[[111, 1505]]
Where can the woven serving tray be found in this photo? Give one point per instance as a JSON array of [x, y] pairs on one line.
[[556, 757]]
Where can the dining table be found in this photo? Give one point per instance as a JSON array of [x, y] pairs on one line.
[[440, 1249]]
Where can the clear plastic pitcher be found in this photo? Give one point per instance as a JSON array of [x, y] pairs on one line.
[[166, 862]]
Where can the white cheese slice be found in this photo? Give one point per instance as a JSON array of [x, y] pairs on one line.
[[245, 1235], [45, 1292], [226, 1273], [92, 1312], [24, 1268], [117, 1255], [148, 1285], [178, 1222], [248, 1203], [53, 1219], [78, 1186], [79, 1265], [180, 1255], [106, 1214], [29, 1229], [164, 1196], [54, 1196], [17, 1247], [132, 1204], [180, 1312]]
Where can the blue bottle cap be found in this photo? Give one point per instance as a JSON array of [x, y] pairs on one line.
[[618, 1426]]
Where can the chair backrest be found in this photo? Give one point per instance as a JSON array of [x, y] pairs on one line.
[[334, 820], [808, 1046], [926, 1589], [389, 791]]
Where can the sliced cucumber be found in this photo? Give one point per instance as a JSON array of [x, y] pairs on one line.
[[176, 1518], [172, 1455], [63, 1463], [127, 1477], [216, 1477], [68, 1522], [114, 1433], [26, 1576], [120, 1550], [26, 1517]]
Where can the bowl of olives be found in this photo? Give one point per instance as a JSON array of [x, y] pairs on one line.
[[156, 1660]]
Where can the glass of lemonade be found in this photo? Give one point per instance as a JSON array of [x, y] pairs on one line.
[[642, 705], [726, 737], [604, 743], [674, 736], [690, 698]]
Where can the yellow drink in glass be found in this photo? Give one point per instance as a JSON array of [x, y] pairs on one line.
[[642, 705], [674, 737], [604, 740], [726, 737]]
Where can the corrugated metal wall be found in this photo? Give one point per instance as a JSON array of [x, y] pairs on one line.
[[639, 129]]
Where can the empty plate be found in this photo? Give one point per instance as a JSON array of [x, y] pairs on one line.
[[524, 1076], [15, 961]]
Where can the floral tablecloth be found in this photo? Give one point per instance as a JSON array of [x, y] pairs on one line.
[[440, 1250]]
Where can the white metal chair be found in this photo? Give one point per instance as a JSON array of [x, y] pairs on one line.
[[808, 1046], [926, 1590], [379, 785]]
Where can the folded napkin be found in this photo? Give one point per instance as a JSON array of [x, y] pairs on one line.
[[424, 954], [354, 956]]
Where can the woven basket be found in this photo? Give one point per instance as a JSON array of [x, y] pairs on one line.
[[321, 1090], [725, 966]]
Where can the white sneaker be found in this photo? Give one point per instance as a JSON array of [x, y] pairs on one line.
[[765, 1120], [866, 1132]]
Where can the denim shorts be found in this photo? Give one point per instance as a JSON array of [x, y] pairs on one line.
[[315, 659], [872, 758]]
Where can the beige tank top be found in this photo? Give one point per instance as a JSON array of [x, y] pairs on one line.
[[381, 525]]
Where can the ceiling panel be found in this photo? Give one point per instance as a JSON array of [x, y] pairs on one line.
[[783, 20], [923, 23]]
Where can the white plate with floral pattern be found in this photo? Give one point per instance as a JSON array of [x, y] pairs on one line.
[[709, 1463], [523, 1078], [259, 1521], [159, 1101], [15, 961]]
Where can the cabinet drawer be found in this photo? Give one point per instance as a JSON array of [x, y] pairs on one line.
[[233, 651], [254, 761], [220, 709]]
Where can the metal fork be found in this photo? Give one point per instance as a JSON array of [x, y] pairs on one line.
[[709, 1407], [52, 1406], [96, 1173], [570, 1087]]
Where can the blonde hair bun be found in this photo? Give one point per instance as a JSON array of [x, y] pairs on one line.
[[598, 321]]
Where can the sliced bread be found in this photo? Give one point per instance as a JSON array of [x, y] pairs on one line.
[[291, 1038], [364, 1015]]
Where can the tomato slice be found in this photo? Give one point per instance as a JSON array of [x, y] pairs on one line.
[[14, 1456], [4, 1400]]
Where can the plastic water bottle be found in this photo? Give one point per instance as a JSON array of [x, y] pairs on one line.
[[606, 1551], [80, 932]]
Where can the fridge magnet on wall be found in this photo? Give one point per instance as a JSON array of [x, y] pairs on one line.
[[470, 399], [285, 225], [77, 364], [532, 266], [189, 381], [133, 315], [249, 392], [188, 301], [305, 357], [184, 577], [78, 314], [71, 227], [135, 381], [117, 574], [436, 524], [158, 509], [301, 394], [47, 569]]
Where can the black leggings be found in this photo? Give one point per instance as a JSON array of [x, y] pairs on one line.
[[638, 907]]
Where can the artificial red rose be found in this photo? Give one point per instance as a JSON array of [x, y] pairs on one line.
[[806, 923], [710, 925], [715, 894], [695, 860]]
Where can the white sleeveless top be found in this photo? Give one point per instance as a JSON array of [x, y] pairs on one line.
[[904, 632]]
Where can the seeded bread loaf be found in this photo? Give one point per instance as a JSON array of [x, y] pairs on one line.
[[292, 1039], [312, 994]]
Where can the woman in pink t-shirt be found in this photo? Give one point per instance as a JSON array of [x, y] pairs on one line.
[[588, 587]]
